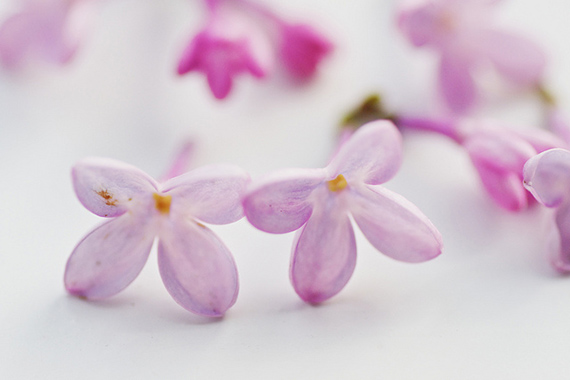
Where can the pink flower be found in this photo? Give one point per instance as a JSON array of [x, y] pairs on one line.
[[547, 177], [48, 30], [227, 47], [499, 156], [196, 267], [461, 32], [302, 49], [320, 202]]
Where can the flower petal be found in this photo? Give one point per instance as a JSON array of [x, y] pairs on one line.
[[373, 154], [210, 193], [560, 239], [393, 225], [197, 268], [324, 253], [108, 187], [547, 177], [517, 58], [109, 258], [455, 82], [282, 202], [504, 187]]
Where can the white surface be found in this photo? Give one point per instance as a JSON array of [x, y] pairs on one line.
[[489, 307]]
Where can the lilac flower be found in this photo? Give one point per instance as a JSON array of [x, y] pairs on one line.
[[547, 177], [302, 49], [49, 30], [196, 267], [226, 48], [499, 156], [320, 202], [461, 32]]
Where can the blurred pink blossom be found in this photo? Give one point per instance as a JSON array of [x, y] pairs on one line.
[[463, 34]]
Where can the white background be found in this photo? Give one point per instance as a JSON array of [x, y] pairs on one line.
[[488, 307]]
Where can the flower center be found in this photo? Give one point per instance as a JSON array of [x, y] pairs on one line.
[[162, 202], [337, 184]]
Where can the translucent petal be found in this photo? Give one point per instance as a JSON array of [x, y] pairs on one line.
[[560, 239], [393, 225], [282, 202], [547, 176], [109, 258], [109, 188], [211, 193], [324, 253], [197, 268], [372, 155]]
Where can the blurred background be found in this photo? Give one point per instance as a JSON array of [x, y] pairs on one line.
[[489, 307]]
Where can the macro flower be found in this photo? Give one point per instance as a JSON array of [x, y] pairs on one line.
[[547, 177], [302, 49], [320, 202], [240, 37], [48, 30], [462, 34], [227, 47], [196, 267]]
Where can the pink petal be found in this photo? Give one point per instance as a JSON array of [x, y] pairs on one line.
[[210, 193], [455, 82], [560, 240], [504, 187], [282, 202], [181, 162], [220, 81], [373, 154], [324, 253], [547, 177], [108, 187], [520, 60], [393, 225], [197, 268], [109, 258]]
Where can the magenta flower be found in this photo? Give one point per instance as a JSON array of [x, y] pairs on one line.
[[320, 202], [302, 49], [461, 33], [547, 177], [196, 267], [226, 48], [499, 156], [48, 30]]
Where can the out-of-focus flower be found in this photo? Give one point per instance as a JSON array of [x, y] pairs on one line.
[[227, 47], [547, 177], [48, 30], [320, 202], [302, 49], [462, 33], [196, 267], [239, 38]]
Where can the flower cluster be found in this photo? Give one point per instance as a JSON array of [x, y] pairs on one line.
[[196, 267]]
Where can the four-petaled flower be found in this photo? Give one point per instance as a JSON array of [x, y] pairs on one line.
[[49, 30], [461, 32], [321, 202], [547, 177], [196, 267]]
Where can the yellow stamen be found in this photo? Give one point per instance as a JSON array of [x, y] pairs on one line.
[[337, 184], [162, 202]]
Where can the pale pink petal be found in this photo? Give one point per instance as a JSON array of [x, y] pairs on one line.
[[197, 268], [324, 253], [520, 60], [547, 177], [541, 139], [109, 258], [372, 155], [504, 187], [393, 225], [560, 239], [181, 162], [211, 193], [282, 202], [456, 83], [108, 187]]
